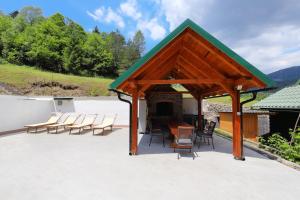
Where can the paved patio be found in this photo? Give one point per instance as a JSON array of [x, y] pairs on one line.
[[63, 166]]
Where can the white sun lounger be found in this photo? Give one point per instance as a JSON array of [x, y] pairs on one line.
[[70, 120], [108, 121], [52, 120], [86, 123]]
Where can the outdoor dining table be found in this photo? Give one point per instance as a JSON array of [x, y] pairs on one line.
[[173, 126]]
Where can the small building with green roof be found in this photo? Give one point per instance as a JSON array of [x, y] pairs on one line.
[[285, 108]]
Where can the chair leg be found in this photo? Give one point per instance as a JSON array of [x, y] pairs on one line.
[[56, 129], [150, 140], [212, 142], [70, 131], [163, 141]]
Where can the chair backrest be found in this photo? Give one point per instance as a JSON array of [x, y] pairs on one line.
[[211, 127], [206, 125], [185, 132], [109, 120], [71, 119], [54, 118], [89, 119]]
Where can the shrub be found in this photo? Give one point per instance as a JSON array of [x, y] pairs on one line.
[[280, 146]]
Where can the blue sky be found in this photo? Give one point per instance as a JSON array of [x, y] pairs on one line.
[[266, 33]]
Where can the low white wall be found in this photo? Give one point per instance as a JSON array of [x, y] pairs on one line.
[[16, 111], [104, 107]]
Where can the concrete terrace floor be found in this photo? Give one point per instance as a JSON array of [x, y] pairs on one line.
[[45, 166]]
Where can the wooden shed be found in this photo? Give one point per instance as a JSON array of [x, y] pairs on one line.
[[255, 123]]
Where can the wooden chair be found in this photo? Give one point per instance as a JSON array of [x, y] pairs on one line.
[[207, 133], [70, 120], [52, 120], [87, 122], [107, 122], [184, 139]]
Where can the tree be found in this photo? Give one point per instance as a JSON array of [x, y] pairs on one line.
[[98, 60], [96, 30], [73, 55], [31, 14], [139, 42], [116, 43], [134, 50], [50, 41]]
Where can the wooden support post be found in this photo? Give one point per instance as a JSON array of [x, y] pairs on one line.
[[199, 100], [134, 123], [237, 141]]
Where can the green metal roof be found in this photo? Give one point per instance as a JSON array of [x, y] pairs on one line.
[[287, 98], [190, 24]]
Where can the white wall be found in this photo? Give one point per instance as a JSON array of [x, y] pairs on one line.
[[17, 111], [104, 107], [142, 115]]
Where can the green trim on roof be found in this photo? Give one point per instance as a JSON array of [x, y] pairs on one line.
[[190, 24], [286, 98]]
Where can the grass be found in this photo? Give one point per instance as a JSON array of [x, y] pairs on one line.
[[22, 77]]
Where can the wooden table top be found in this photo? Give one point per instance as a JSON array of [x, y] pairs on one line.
[[173, 126]]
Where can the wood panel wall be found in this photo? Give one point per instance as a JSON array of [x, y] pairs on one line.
[[250, 124]]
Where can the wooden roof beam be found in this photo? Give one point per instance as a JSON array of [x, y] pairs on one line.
[[212, 50], [194, 57], [178, 81]]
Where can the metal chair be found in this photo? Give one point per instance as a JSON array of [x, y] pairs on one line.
[[155, 132], [184, 139], [207, 133]]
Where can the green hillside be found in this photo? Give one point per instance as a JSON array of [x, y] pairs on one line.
[[24, 80]]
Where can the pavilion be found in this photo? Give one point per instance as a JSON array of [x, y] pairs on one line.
[[204, 66]]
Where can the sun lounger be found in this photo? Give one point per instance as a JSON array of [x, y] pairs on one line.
[[69, 121], [108, 121], [86, 123], [52, 120]]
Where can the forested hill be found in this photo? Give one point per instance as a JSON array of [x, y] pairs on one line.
[[59, 44], [287, 76]]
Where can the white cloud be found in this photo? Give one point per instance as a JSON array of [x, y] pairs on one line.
[[176, 11], [97, 14], [108, 16], [130, 9], [112, 16], [152, 26], [271, 50], [265, 34]]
